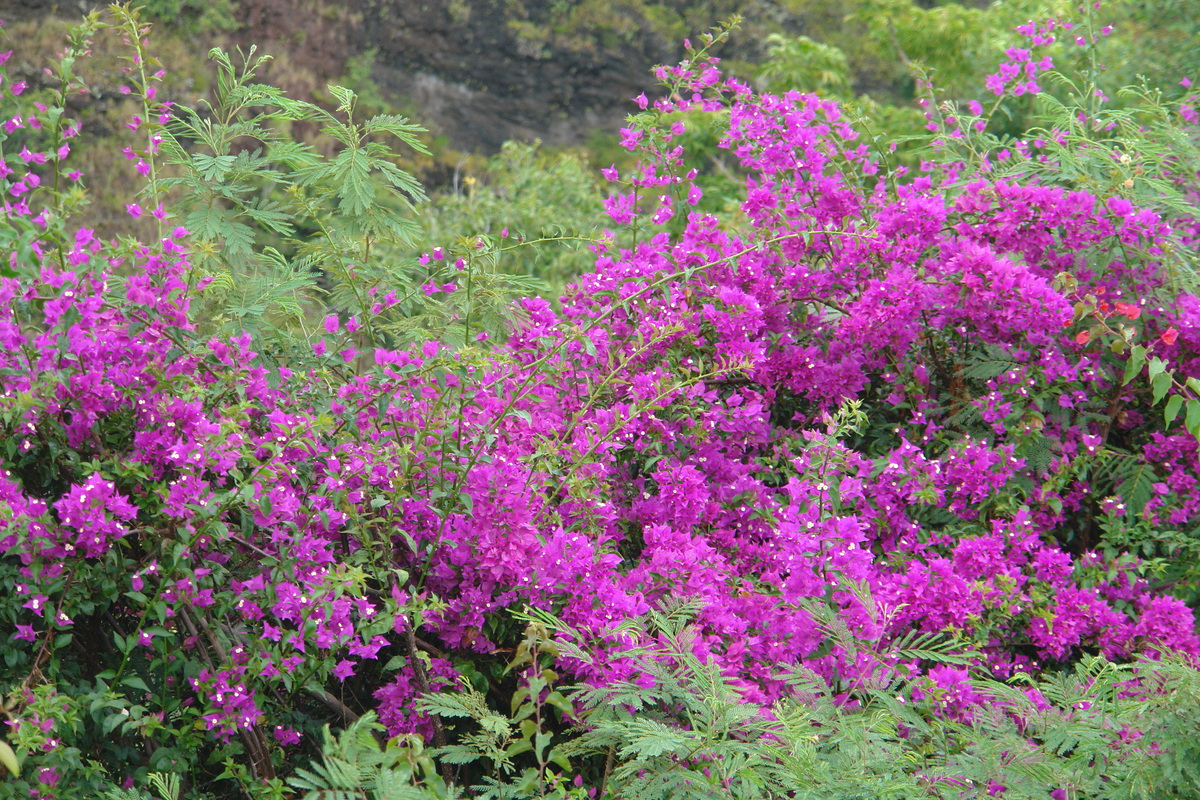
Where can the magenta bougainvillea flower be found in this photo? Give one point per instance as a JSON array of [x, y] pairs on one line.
[[899, 401]]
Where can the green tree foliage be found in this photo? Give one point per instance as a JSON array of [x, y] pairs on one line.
[[194, 16], [805, 65], [949, 40], [550, 198]]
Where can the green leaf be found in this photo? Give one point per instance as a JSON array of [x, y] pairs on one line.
[[646, 738], [8, 758], [1133, 366], [1193, 417], [1172, 409], [239, 237], [271, 215], [212, 168], [557, 700], [1161, 384], [356, 192], [344, 96], [401, 180], [113, 720], [1138, 488], [448, 704], [207, 222], [399, 127], [457, 754], [136, 682], [541, 741], [518, 747], [559, 758]]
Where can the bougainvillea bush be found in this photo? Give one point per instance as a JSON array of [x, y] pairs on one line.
[[903, 439]]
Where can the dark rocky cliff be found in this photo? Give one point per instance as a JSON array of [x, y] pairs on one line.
[[478, 72], [484, 71], [484, 79]]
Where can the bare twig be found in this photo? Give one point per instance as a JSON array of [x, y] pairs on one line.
[[344, 711], [439, 733]]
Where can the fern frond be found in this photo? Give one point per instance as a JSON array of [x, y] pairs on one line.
[[1137, 489], [166, 784], [937, 648], [991, 364], [126, 794]]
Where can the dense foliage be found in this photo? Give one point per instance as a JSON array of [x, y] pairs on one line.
[[882, 482]]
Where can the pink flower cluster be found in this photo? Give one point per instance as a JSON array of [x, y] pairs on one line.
[[677, 430], [1018, 74]]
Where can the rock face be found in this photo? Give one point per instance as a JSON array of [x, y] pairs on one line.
[[483, 74], [479, 72]]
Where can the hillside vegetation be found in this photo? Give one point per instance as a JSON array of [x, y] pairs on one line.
[[819, 444]]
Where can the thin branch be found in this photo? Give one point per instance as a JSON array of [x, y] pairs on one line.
[[347, 714], [439, 733]]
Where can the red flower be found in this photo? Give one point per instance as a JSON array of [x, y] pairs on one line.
[[1128, 310], [1170, 336], [1082, 337]]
